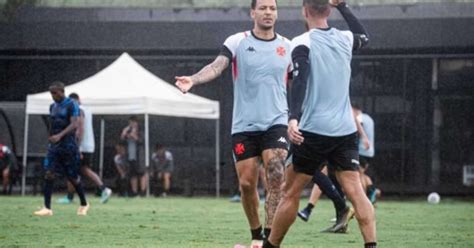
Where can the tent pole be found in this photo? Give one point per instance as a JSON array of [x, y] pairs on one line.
[[101, 152], [218, 171], [25, 154], [147, 152]]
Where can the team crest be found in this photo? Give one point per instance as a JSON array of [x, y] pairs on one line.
[[281, 51], [239, 149]]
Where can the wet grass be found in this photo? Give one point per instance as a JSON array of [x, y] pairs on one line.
[[209, 222]]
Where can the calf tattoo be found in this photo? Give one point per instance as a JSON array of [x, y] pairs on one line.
[[275, 175]]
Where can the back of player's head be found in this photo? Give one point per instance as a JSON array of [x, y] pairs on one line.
[[317, 7], [57, 85], [133, 118], [253, 4], [74, 96]]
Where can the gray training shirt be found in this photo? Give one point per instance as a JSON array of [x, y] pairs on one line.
[[260, 70], [327, 106]]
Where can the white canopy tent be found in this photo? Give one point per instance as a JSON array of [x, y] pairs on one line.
[[126, 88]]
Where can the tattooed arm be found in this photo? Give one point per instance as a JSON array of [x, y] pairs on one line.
[[206, 74]]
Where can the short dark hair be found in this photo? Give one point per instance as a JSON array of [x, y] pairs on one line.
[[57, 85], [318, 7], [74, 96], [121, 144], [253, 4], [132, 118], [356, 105], [159, 146]]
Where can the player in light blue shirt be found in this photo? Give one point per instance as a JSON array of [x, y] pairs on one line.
[[368, 126], [321, 126], [261, 62], [366, 153]]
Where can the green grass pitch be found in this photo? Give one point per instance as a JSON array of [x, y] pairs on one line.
[[209, 222]]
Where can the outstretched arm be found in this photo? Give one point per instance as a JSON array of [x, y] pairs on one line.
[[206, 74], [361, 37]]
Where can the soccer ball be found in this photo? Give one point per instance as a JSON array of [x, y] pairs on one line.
[[433, 198]]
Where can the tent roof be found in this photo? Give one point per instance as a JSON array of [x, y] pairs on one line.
[[125, 87]]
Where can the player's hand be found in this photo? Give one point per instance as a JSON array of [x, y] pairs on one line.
[[184, 83], [54, 138], [334, 3], [366, 143], [294, 134]]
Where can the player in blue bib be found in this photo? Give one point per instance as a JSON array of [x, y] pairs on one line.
[[63, 153]]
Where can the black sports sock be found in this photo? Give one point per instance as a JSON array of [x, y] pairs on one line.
[[70, 195], [267, 244], [310, 206], [48, 191], [257, 233], [80, 193], [333, 179], [328, 188], [102, 187], [370, 245], [372, 193], [266, 232]]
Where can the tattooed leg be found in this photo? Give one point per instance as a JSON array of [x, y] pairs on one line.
[[274, 163]]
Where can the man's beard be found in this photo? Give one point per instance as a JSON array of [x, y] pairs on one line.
[[59, 100], [265, 28]]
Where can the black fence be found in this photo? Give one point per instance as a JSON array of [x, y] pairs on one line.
[[422, 108]]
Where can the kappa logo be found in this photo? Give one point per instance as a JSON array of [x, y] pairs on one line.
[[282, 140], [251, 49], [296, 71]]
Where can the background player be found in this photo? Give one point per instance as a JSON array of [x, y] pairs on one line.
[[8, 164], [85, 138], [63, 153]]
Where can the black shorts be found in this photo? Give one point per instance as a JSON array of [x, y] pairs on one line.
[[63, 160], [3, 166], [252, 144], [136, 169], [87, 159], [364, 161], [339, 153]]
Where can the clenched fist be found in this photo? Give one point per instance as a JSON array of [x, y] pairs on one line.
[[335, 2]]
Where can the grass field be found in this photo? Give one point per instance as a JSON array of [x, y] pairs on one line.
[[208, 222]]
